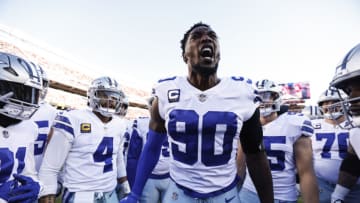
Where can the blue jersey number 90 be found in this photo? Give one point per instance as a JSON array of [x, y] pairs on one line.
[[216, 137]]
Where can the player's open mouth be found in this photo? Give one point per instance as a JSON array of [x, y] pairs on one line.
[[207, 52]]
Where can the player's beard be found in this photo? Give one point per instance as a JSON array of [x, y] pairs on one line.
[[205, 70]]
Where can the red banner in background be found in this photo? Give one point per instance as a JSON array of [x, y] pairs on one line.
[[295, 90]]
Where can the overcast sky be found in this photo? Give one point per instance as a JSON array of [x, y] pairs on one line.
[[138, 42]]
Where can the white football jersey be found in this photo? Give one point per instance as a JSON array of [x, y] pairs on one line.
[[279, 138], [126, 137], [203, 129], [17, 150], [44, 118], [329, 145], [142, 127], [92, 162]]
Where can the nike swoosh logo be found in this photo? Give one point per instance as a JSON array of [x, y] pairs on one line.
[[229, 200]]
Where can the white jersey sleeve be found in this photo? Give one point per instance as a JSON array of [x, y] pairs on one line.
[[162, 167], [121, 169], [126, 139], [203, 130], [44, 118], [355, 140], [53, 161]]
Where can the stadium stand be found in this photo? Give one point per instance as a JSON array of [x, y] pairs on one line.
[[68, 81]]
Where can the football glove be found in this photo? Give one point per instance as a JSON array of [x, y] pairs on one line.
[[26, 192], [131, 198], [6, 188]]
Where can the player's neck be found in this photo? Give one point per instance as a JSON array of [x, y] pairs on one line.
[[7, 121], [267, 119], [335, 122], [203, 82], [104, 119]]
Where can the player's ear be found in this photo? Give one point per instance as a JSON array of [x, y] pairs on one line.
[[184, 58]]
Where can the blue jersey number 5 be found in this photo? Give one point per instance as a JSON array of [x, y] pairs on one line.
[[279, 155], [216, 137]]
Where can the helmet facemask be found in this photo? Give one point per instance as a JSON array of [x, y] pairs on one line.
[[332, 111], [329, 103], [45, 82], [270, 103], [123, 108], [351, 111], [106, 102], [44, 90], [18, 101]]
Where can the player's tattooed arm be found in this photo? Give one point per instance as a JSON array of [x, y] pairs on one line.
[[47, 199]]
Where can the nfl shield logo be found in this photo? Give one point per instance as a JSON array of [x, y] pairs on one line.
[[202, 97], [175, 196]]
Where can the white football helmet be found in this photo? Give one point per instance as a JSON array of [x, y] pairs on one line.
[[124, 107], [347, 75], [45, 82], [150, 99], [105, 96], [20, 86], [331, 111], [270, 94], [312, 112]]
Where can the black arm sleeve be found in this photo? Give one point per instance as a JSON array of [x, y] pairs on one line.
[[351, 165], [251, 135]]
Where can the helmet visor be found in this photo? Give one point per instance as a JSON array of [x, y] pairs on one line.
[[17, 100], [109, 99], [20, 92]]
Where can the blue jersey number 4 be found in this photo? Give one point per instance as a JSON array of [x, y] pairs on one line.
[[104, 153]]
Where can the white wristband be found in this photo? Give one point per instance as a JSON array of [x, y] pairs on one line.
[[339, 193], [125, 187]]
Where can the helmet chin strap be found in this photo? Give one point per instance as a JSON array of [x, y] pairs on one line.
[[333, 116], [265, 112], [105, 114]]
